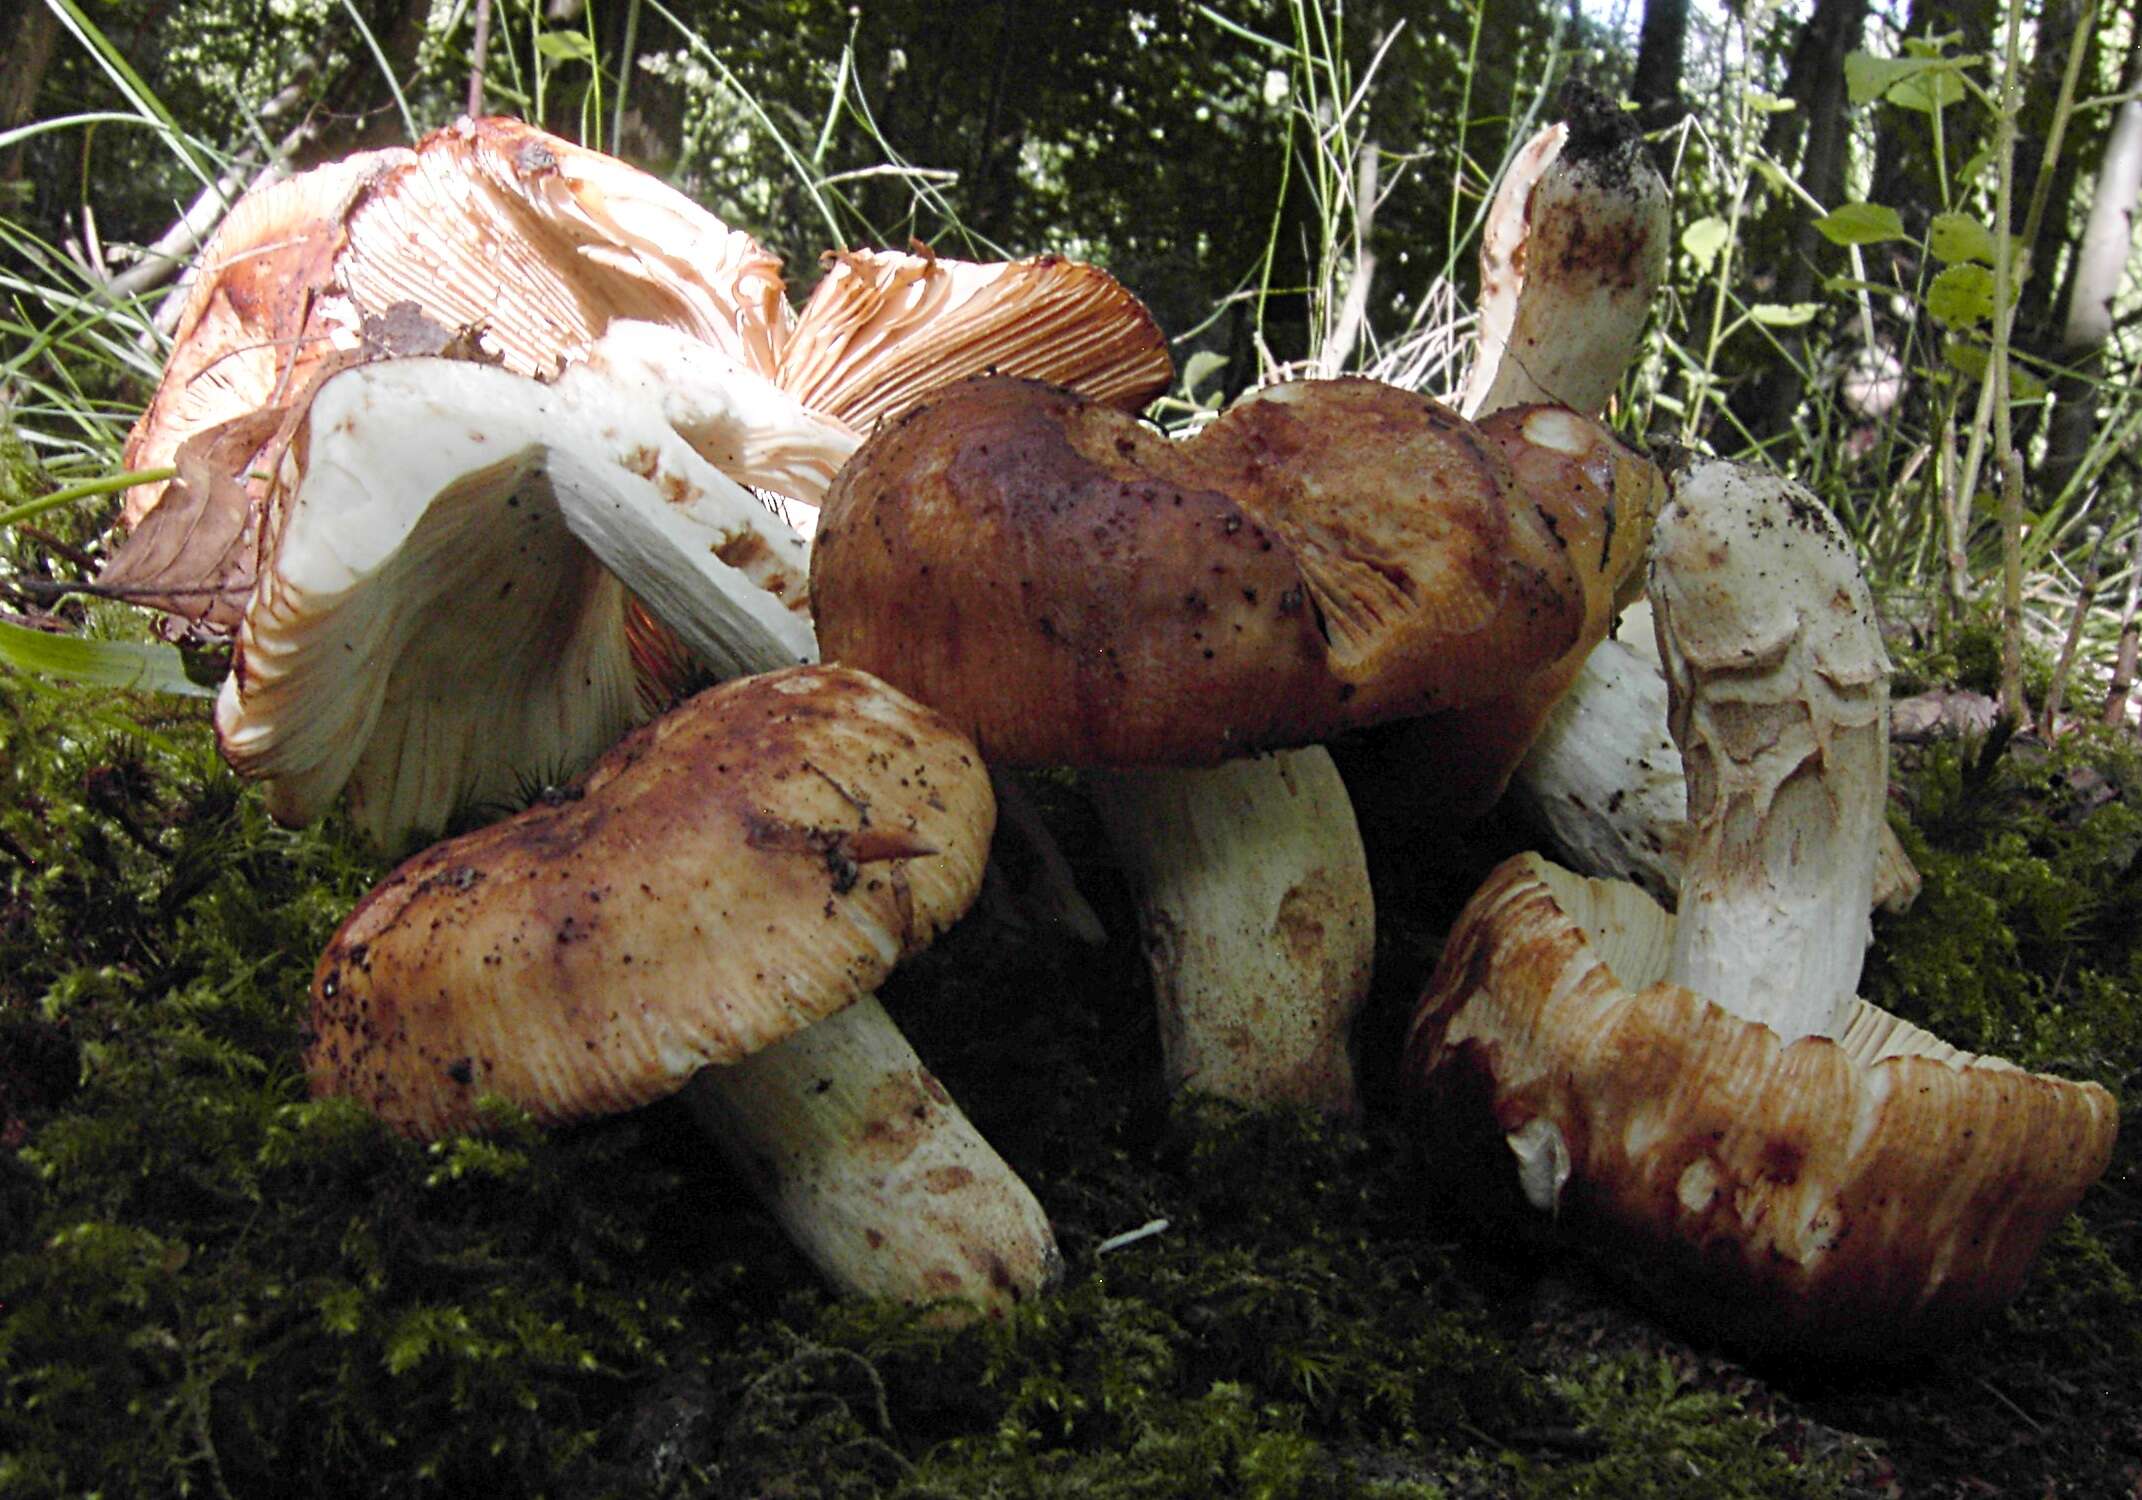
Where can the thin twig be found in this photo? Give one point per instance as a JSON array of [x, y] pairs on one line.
[[2085, 599], [477, 47], [1353, 308], [2013, 708], [2130, 647]]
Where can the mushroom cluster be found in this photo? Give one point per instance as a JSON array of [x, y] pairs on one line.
[[1702, 1094], [1072, 588], [467, 529]]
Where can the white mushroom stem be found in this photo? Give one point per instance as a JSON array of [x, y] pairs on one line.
[[854, 1147], [874, 1172], [1604, 779], [734, 417], [1259, 925], [1574, 247], [1779, 689]]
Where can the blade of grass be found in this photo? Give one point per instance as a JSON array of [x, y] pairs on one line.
[[88, 489], [130, 84], [394, 85], [129, 665]]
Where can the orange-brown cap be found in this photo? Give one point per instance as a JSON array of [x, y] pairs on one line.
[[1071, 587], [728, 874], [258, 314], [489, 235], [1871, 1195]]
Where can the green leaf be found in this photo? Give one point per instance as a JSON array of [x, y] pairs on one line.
[[109, 664], [566, 46], [1930, 90], [1973, 360], [1703, 240], [1926, 84], [1868, 77], [1954, 237], [1961, 296], [1861, 224], [1197, 369], [1784, 315]]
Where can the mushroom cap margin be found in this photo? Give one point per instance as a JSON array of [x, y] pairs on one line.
[[1870, 1197]]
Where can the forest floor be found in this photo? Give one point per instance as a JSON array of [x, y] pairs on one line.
[[274, 1296]]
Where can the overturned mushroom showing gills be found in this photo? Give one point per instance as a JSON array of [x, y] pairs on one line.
[[441, 625], [488, 234], [1071, 587], [1704, 1099], [710, 911]]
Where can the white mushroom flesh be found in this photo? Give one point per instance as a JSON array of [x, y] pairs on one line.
[[425, 486], [873, 1171]]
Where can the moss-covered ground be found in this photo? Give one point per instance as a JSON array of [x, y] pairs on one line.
[[211, 1285]]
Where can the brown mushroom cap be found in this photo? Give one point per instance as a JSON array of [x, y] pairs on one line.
[[1071, 587], [1870, 1196], [727, 875]]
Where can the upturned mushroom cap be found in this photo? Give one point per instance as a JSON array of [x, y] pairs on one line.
[[489, 236], [1870, 1196], [437, 628], [541, 244], [1704, 1098], [725, 876], [883, 327], [1071, 587]]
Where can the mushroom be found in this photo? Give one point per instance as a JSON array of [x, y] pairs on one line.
[[1604, 783], [1703, 1097], [437, 627], [709, 912], [397, 254], [493, 238], [1072, 588], [1572, 253], [489, 235]]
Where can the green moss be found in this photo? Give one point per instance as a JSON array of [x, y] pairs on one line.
[[281, 1297], [1967, 657], [2022, 942]]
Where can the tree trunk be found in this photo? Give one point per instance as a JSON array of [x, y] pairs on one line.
[[30, 44], [1660, 48], [2093, 278], [1818, 127]]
